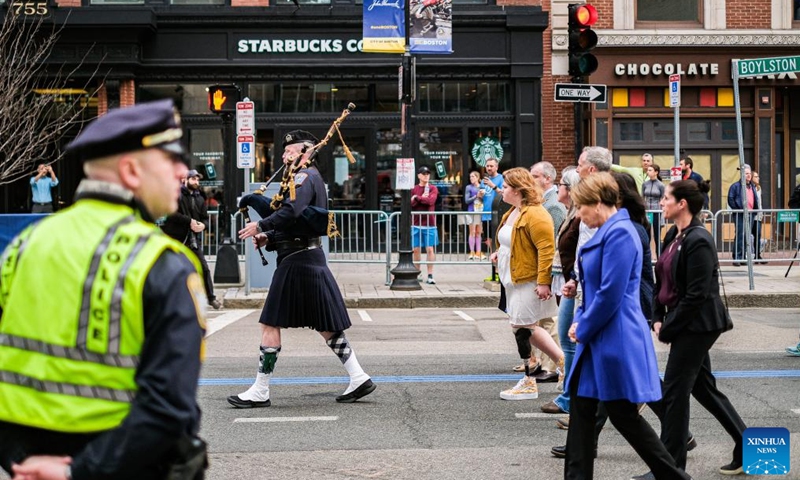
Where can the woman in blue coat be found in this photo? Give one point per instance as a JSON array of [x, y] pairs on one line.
[[615, 361]]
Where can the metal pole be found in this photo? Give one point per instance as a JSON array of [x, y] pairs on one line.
[[247, 248], [677, 128], [405, 273], [578, 123], [742, 181]]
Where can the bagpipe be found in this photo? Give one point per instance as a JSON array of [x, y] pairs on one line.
[[320, 220]]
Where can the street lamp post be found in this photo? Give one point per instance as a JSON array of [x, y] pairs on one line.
[[405, 273]]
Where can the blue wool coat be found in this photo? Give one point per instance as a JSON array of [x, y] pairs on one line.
[[615, 351]]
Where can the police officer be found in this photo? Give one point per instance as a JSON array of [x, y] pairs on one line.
[[303, 292], [101, 327]]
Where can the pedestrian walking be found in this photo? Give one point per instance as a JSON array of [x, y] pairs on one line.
[[102, 318], [303, 292], [612, 335], [735, 203], [473, 197], [689, 315], [524, 261], [653, 191]]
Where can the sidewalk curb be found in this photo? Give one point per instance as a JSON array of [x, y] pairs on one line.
[[735, 300]]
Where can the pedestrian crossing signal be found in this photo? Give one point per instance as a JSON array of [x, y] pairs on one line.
[[223, 98]]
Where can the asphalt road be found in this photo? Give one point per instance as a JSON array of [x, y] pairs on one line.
[[437, 414]]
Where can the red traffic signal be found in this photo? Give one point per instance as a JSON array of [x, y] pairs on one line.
[[583, 15], [582, 39]]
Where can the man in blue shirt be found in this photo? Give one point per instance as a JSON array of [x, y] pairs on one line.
[[492, 201], [40, 186]]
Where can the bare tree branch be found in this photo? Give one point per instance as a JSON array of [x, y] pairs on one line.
[[36, 106]]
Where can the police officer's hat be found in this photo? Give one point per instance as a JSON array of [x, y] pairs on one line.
[[146, 125], [299, 136]]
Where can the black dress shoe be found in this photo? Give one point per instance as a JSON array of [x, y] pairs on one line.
[[239, 403], [546, 377], [691, 444], [561, 451], [362, 391]]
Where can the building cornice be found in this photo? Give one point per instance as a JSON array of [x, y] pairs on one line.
[[696, 38], [689, 38]]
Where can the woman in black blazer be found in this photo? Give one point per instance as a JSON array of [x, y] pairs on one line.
[[690, 316]]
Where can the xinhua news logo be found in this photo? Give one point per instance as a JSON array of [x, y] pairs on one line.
[[766, 451]]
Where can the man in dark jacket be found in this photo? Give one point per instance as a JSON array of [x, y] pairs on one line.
[[188, 223], [735, 203]]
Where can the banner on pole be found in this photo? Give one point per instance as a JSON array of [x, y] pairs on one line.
[[431, 26], [384, 27]]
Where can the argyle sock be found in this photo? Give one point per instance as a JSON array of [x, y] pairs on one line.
[[259, 390], [341, 347]]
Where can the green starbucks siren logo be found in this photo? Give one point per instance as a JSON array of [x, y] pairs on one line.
[[486, 148]]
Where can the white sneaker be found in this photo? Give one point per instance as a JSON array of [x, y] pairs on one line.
[[525, 389], [430, 280]]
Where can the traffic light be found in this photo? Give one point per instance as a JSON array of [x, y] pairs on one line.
[[582, 39], [223, 98]]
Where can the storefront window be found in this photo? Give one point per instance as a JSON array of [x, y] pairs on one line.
[[698, 131], [668, 10], [729, 130], [464, 97], [389, 150], [441, 150], [309, 97], [198, 2], [664, 131], [206, 148], [796, 10], [631, 131], [189, 98], [117, 2]]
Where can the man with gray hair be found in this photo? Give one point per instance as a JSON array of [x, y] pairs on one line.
[[594, 159], [735, 203], [638, 174], [545, 175]]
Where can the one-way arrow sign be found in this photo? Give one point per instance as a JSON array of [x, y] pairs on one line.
[[576, 92]]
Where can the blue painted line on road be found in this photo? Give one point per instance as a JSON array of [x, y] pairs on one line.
[[463, 378]]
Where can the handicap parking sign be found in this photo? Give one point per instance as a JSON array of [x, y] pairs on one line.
[[245, 148], [244, 154]]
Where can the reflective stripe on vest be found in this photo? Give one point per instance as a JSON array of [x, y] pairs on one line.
[[64, 388], [80, 354]]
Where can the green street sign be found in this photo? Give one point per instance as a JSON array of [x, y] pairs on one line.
[[757, 67], [788, 217]]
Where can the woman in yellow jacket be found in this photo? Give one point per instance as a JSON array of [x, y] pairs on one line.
[[524, 259]]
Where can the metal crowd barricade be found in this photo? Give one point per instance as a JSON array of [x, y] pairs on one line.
[[365, 236], [707, 216], [774, 235], [215, 233], [453, 233]]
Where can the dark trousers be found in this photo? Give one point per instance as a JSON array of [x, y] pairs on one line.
[[656, 407], [739, 243], [625, 417], [689, 371], [209, 284]]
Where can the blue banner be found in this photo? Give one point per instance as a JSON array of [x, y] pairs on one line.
[[431, 26], [384, 28], [12, 224]]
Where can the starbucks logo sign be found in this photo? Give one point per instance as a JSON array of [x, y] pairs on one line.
[[486, 148]]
